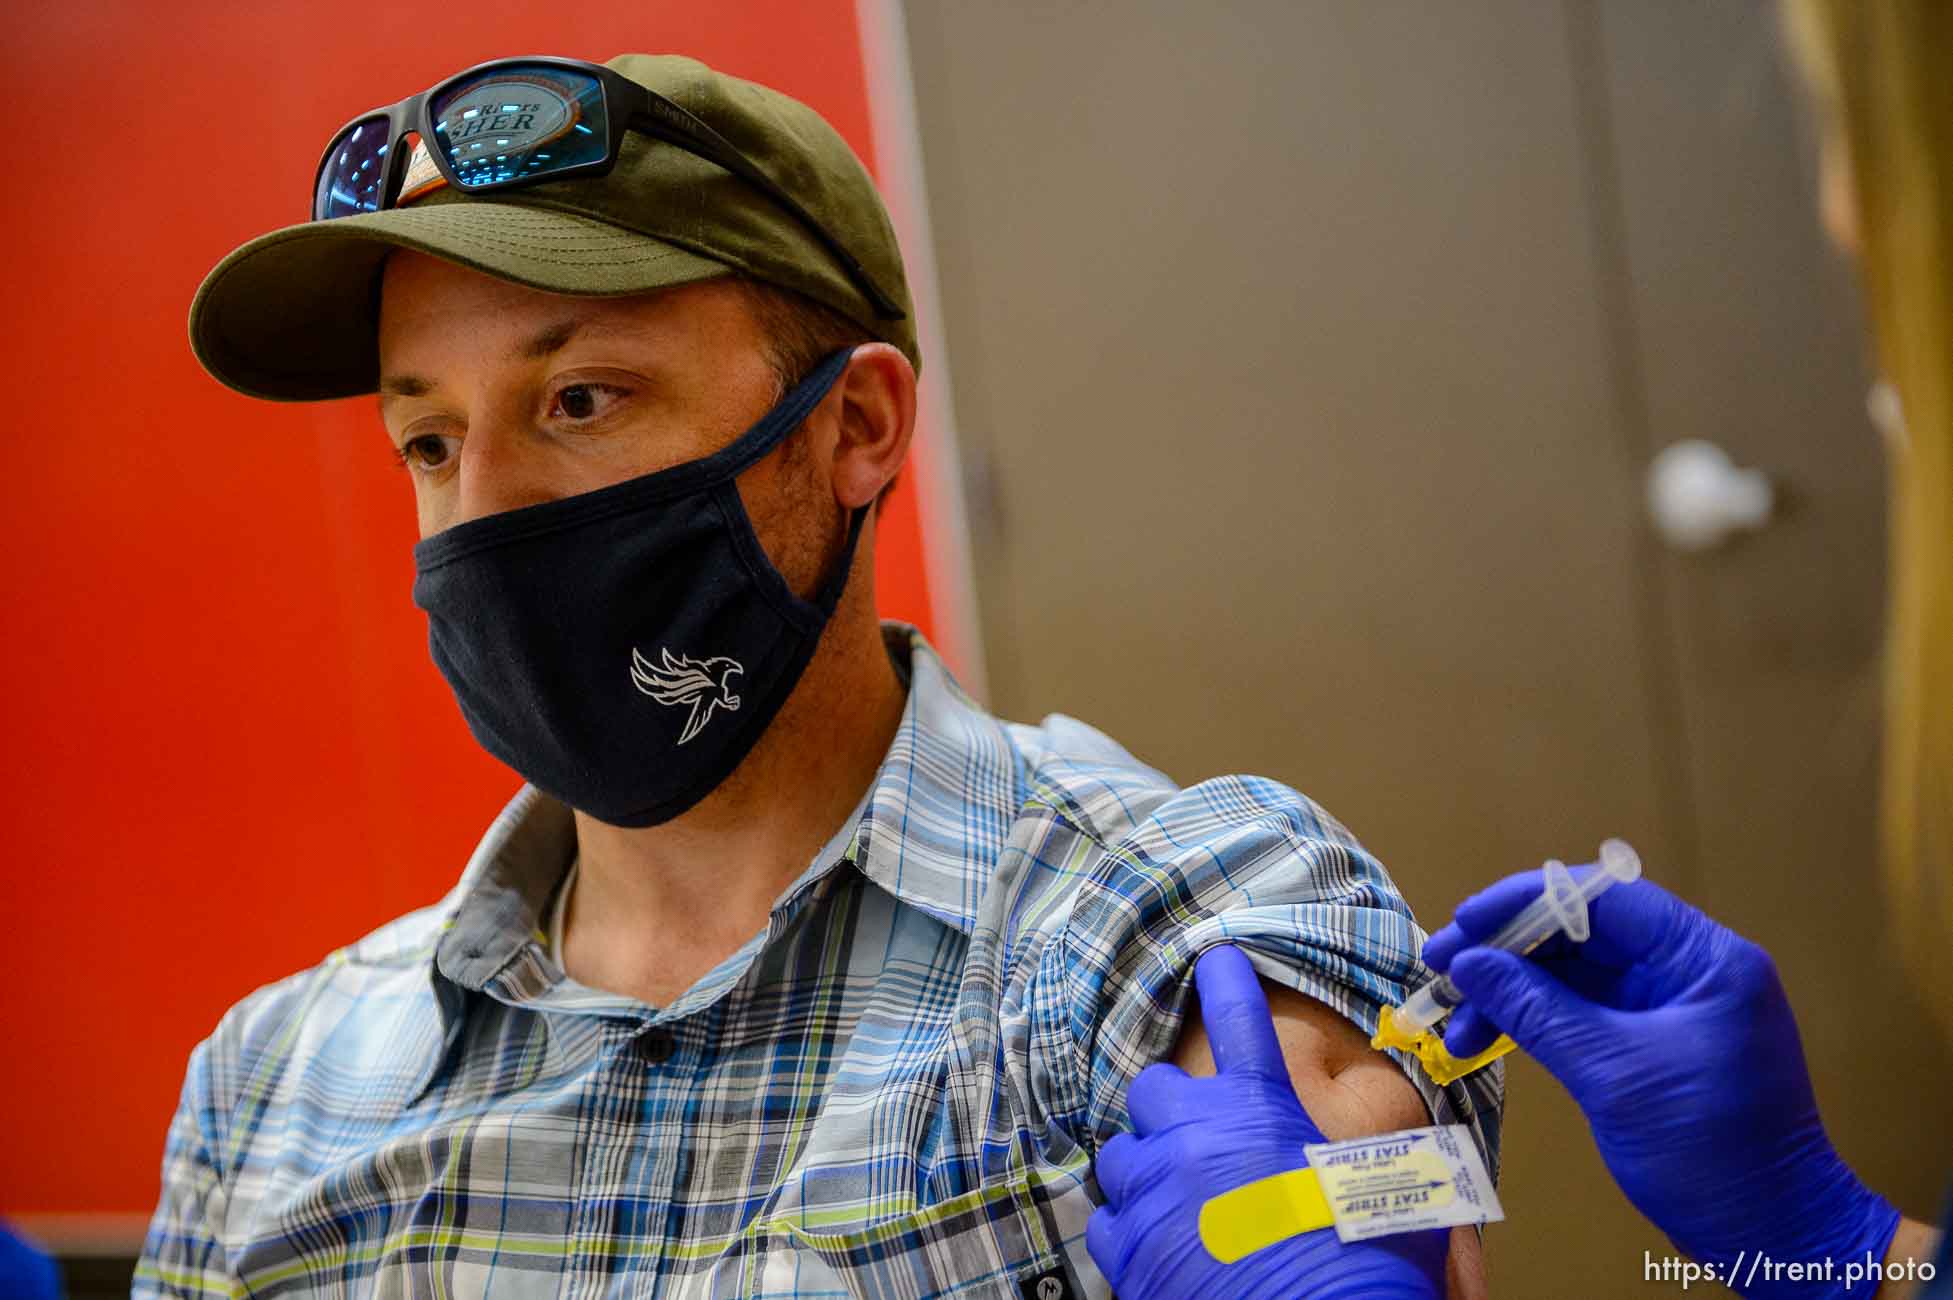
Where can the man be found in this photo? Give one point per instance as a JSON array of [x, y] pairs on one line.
[[789, 971]]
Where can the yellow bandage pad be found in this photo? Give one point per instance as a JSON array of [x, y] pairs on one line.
[[1440, 1064], [1236, 1224]]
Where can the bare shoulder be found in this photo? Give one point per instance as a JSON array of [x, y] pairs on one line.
[[1347, 1088]]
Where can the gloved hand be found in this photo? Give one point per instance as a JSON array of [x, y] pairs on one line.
[[1674, 1036], [26, 1271], [1198, 1137]]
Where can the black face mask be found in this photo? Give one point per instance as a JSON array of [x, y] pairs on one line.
[[625, 648]]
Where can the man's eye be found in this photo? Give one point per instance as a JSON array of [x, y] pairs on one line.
[[424, 453], [583, 401]]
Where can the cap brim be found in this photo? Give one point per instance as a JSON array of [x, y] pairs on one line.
[[294, 315]]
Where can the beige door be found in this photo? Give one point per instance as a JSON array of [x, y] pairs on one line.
[[1308, 361], [1738, 324]]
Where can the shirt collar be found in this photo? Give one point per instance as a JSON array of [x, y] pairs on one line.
[[928, 830], [941, 807]]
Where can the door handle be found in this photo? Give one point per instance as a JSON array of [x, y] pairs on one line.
[[1698, 498]]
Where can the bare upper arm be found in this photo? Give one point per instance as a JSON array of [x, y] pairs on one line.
[[1347, 1088]]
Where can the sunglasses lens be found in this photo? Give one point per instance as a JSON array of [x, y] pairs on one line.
[[520, 120], [354, 172]]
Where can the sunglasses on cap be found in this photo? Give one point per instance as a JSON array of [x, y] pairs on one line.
[[508, 123]]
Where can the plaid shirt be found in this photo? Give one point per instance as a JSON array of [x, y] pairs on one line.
[[894, 1090]]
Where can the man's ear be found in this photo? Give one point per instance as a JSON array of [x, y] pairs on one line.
[[876, 420]]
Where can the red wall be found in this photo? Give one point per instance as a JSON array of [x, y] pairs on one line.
[[225, 750]]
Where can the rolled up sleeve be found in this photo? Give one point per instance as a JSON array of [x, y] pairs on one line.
[[1252, 862]]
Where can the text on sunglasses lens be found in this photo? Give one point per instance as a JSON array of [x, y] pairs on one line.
[[520, 122]]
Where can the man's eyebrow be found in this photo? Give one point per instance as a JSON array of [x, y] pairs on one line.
[[405, 386], [552, 338], [549, 339]]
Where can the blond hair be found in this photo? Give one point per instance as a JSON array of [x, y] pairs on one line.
[[1879, 70]]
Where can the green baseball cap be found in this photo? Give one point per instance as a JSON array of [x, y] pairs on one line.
[[294, 315]]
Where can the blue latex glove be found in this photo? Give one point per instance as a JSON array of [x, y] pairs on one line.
[[26, 1271], [1674, 1036], [1197, 1137]]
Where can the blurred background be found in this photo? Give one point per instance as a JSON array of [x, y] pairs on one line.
[[1297, 370]]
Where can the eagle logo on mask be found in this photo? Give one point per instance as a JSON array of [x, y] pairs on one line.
[[701, 683]]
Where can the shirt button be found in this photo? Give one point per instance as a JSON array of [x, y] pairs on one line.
[[655, 1046]]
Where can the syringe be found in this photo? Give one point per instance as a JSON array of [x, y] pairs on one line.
[[1560, 909]]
